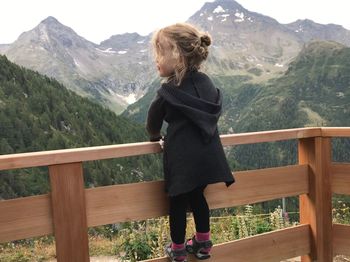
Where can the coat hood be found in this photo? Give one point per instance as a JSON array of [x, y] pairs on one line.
[[202, 113]]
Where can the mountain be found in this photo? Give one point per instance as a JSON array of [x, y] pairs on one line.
[[38, 113], [248, 47], [319, 80], [308, 30], [249, 42], [314, 91], [132, 65], [104, 73], [245, 42], [120, 70]]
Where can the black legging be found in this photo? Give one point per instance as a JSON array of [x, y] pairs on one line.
[[178, 207]]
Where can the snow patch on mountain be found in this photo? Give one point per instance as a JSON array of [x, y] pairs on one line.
[[108, 50], [76, 62], [300, 29], [219, 9], [224, 17], [130, 99], [240, 17]]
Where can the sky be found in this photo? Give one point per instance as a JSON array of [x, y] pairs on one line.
[[99, 20]]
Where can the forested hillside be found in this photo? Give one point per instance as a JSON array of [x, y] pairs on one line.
[[38, 113], [313, 92]]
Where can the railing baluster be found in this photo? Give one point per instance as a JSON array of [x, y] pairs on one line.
[[69, 212], [316, 207]]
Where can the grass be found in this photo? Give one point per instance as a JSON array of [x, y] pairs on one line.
[[37, 249], [43, 249]]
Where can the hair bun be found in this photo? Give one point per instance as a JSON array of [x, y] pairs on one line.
[[206, 40]]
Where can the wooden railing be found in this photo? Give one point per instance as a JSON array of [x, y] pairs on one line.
[[69, 209]]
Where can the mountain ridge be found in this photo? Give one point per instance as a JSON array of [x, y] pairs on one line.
[[90, 70], [120, 70]]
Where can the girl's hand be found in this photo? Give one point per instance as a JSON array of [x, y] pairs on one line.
[[161, 143]]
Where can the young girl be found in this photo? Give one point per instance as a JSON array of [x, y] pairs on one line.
[[193, 154]]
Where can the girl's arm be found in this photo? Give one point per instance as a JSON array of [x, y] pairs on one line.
[[155, 118]]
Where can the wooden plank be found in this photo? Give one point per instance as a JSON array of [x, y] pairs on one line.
[[69, 215], [340, 173], [54, 157], [63, 156], [25, 217], [336, 131], [119, 203], [341, 239], [273, 246], [316, 207], [269, 136], [31, 216], [260, 185], [111, 204]]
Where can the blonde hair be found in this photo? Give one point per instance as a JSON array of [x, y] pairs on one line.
[[188, 45]]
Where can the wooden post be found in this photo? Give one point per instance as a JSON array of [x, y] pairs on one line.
[[69, 213], [316, 206]]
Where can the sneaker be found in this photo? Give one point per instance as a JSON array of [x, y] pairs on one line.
[[199, 248], [176, 255]]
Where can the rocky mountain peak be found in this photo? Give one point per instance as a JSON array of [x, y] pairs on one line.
[[225, 4], [309, 24], [227, 16], [45, 32], [308, 30], [221, 9], [52, 26], [50, 20], [123, 41], [52, 34]]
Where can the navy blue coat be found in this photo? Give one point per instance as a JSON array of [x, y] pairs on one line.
[[193, 154]]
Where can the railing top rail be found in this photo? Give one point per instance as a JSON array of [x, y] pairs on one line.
[[336, 131], [269, 136], [54, 157]]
